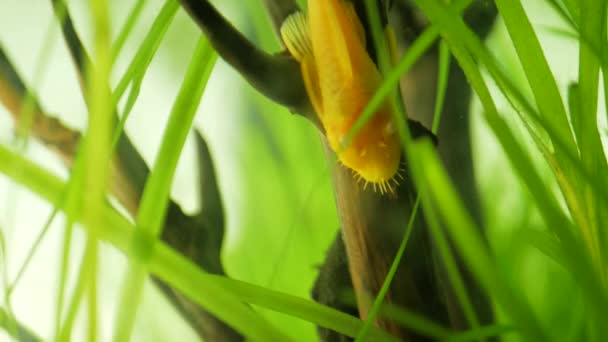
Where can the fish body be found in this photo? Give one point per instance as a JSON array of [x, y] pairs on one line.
[[340, 79]]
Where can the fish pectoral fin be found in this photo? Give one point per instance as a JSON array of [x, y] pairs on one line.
[[296, 35], [311, 81]]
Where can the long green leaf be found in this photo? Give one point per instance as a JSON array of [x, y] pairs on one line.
[[393, 77], [96, 152], [442, 83], [213, 292], [127, 27], [451, 268], [148, 47], [19, 332], [153, 206], [536, 68], [432, 177], [136, 70], [375, 309], [590, 145], [460, 35], [573, 8], [436, 191]]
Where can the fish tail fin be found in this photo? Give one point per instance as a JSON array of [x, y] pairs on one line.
[[311, 81]]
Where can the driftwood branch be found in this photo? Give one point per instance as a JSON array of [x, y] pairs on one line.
[[46, 129], [275, 76], [200, 239], [279, 11], [76, 49], [371, 225]]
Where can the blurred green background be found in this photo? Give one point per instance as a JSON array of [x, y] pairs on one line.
[[272, 172]]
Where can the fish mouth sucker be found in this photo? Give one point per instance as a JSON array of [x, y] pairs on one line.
[[380, 179]]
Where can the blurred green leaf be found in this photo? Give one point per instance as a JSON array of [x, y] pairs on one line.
[[153, 207]]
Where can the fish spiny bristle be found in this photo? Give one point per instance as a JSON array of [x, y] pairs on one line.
[[400, 174], [391, 187], [395, 181]]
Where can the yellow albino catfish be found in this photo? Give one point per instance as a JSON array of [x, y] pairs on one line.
[[340, 79]]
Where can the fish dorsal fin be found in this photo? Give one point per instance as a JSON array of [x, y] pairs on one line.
[[311, 82], [296, 35]]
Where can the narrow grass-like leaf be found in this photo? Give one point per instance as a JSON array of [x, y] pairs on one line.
[[451, 268], [590, 145], [565, 15], [546, 244], [72, 209], [565, 164], [442, 83], [482, 333], [9, 321], [436, 191], [380, 39], [29, 106], [393, 77], [131, 99], [371, 316], [70, 202], [596, 47], [136, 70], [444, 61], [65, 333], [153, 206], [30, 254], [536, 68], [148, 48], [457, 33], [19, 332], [171, 266], [423, 326], [415, 322], [399, 113], [573, 8], [431, 178], [166, 262], [574, 102], [604, 54], [96, 151], [533, 121], [126, 29]]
